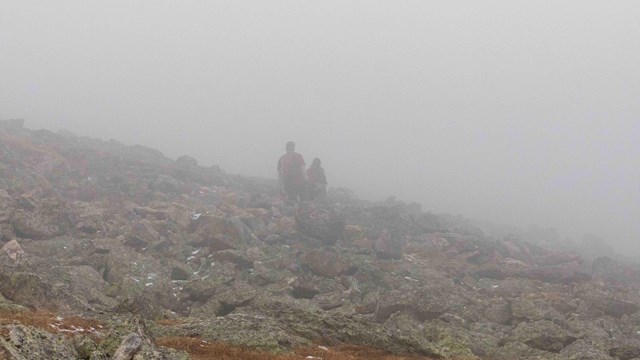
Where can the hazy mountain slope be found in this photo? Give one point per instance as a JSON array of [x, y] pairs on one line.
[[149, 248]]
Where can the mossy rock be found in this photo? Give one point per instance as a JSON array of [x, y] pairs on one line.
[[445, 343]]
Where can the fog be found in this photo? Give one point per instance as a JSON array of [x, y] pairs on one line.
[[509, 111]]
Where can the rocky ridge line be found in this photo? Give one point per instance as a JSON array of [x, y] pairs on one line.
[[126, 236]]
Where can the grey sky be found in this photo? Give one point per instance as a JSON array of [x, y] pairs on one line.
[[510, 111]]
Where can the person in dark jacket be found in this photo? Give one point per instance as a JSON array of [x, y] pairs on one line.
[[317, 180]]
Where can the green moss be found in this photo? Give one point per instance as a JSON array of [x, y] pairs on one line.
[[6, 305], [445, 344]]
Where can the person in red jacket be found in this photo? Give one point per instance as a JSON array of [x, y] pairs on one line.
[[317, 180], [291, 173]]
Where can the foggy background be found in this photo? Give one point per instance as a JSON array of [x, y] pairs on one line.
[[510, 111]]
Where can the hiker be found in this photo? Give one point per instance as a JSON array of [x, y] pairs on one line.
[[291, 173], [317, 180]]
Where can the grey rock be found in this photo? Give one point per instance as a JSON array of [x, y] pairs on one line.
[[320, 222], [584, 350], [543, 335], [625, 352], [31, 343], [129, 346], [326, 262], [84, 346], [500, 313], [187, 161], [179, 273]]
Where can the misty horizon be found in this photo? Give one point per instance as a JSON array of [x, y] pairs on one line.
[[510, 113]]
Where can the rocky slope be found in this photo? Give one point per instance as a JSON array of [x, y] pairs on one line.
[[142, 247]]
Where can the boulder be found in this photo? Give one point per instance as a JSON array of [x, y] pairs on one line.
[[528, 309], [286, 225], [325, 262], [151, 213], [584, 350], [308, 286], [25, 288], [48, 219], [140, 236], [6, 305], [329, 301], [568, 272], [625, 351], [121, 262], [431, 241], [619, 308], [201, 289], [180, 273], [139, 306], [388, 247], [26, 342], [186, 161], [320, 222], [216, 231], [236, 257], [13, 250], [598, 303], [236, 296], [369, 303], [355, 238], [453, 342], [77, 287], [390, 216], [254, 223], [129, 347], [543, 335], [499, 313], [84, 346], [422, 304], [352, 234], [492, 271], [254, 254], [511, 248]]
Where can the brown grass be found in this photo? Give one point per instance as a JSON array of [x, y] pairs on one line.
[[47, 321], [197, 348], [202, 350], [170, 322]]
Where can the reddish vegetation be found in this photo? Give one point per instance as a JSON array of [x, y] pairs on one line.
[[50, 322], [170, 322], [196, 347], [202, 350]]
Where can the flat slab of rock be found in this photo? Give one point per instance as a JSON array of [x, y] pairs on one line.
[[543, 335]]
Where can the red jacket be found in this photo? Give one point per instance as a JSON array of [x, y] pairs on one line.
[[291, 168]]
